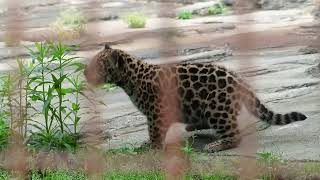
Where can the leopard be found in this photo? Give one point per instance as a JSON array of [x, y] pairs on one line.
[[202, 95]]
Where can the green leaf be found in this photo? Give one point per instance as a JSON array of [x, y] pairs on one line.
[[79, 66], [58, 82], [48, 102], [75, 106], [35, 97], [63, 109], [65, 91], [77, 119]]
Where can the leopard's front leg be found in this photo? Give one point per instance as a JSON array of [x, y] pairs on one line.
[[156, 131]]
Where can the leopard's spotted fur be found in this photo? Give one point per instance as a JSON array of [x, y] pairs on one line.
[[208, 96]]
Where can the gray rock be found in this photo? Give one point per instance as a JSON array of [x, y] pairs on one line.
[[198, 8], [281, 4], [309, 50], [316, 12], [228, 2], [229, 26], [314, 71]]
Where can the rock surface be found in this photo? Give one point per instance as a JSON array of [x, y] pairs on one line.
[[270, 49], [282, 4]]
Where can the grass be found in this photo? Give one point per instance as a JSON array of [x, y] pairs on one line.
[[210, 177], [145, 165], [184, 15], [110, 175], [268, 157], [312, 168], [135, 20], [133, 175], [59, 175], [130, 150]]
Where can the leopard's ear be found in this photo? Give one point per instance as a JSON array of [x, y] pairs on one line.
[[118, 60], [107, 46]]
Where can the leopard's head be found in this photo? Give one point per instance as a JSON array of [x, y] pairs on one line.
[[105, 67]]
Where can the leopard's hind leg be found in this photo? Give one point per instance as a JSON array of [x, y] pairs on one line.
[[222, 118]]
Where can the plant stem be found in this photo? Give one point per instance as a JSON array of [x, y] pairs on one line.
[[60, 91], [43, 87], [26, 107]]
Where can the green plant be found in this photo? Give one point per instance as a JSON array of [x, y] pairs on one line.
[[4, 132], [187, 148], [54, 140], [109, 87], [53, 80], [217, 9], [4, 110], [4, 175], [4, 90], [184, 14], [135, 20], [78, 87]]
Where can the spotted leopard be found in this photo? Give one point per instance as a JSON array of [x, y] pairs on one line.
[[208, 96]]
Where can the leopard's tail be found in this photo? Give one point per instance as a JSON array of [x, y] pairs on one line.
[[258, 109]]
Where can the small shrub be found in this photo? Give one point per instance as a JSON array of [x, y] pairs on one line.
[[69, 24], [11, 39], [217, 9], [135, 20], [185, 15]]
